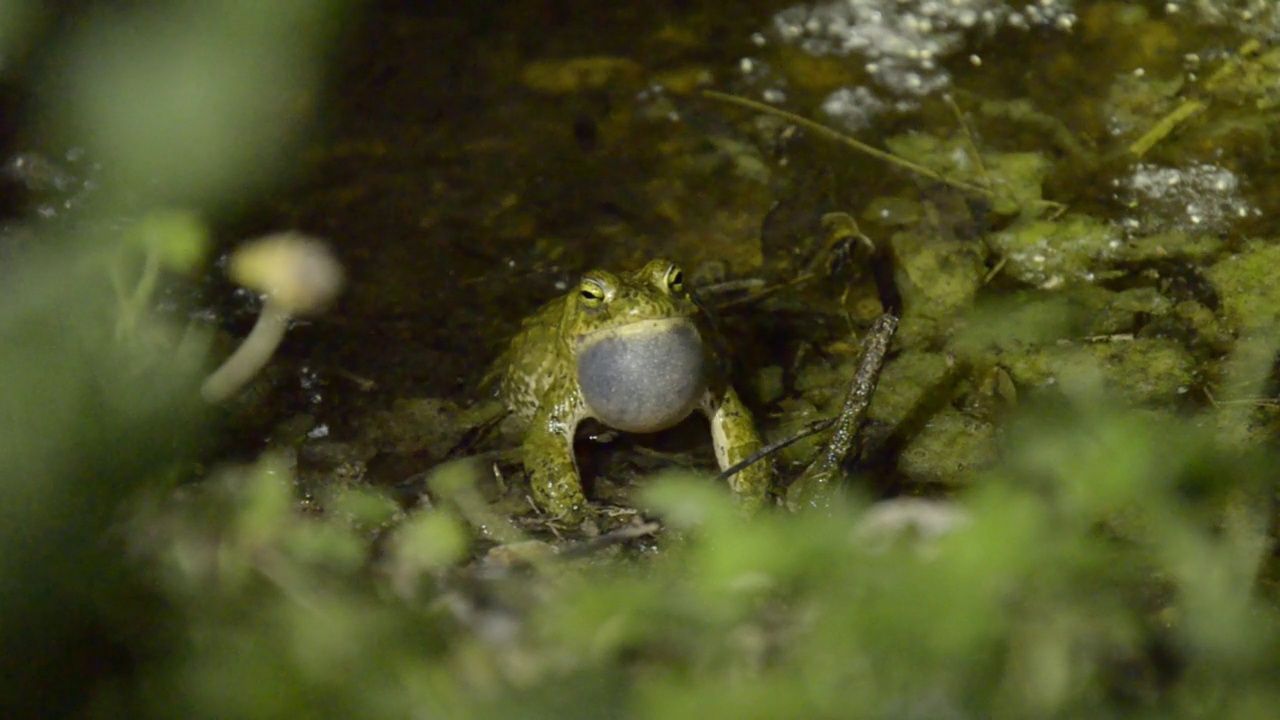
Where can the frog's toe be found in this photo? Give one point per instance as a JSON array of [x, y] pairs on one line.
[[752, 485], [562, 501]]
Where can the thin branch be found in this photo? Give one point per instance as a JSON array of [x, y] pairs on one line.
[[840, 137]]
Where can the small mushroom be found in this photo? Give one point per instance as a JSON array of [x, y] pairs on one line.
[[297, 275]]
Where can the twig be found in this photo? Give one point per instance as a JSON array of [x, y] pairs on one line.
[[613, 537], [840, 137], [813, 428], [813, 487], [1165, 126]]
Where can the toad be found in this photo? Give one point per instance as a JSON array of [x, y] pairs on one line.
[[635, 352]]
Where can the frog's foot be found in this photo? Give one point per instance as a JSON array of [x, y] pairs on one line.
[[752, 483], [552, 470], [562, 501], [735, 438]]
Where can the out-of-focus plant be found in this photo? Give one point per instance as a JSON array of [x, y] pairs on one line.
[[1106, 568], [191, 103], [184, 105]]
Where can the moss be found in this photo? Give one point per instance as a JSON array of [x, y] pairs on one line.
[[1252, 80], [1050, 254], [1144, 371], [948, 449], [938, 280], [907, 381], [1015, 178], [1197, 247], [1246, 285]]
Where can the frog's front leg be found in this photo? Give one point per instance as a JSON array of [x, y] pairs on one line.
[[552, 469], [734, 434]]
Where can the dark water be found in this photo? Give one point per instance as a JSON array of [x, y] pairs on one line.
[[463, 186], [461, 197]]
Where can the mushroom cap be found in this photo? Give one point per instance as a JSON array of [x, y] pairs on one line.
[[296, 272]]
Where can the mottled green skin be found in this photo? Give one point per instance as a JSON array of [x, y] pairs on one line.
[[538, 380]]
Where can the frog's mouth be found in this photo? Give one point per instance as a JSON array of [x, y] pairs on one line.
[[644, 376]]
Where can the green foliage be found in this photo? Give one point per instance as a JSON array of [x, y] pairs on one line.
[[1115, 563], [204, 95], [1245, 281], [1105, 534], [177, 238]]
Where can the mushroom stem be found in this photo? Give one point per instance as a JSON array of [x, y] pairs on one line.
[[297, 275], [250, 357]]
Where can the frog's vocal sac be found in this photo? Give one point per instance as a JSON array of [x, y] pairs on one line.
[[635, 352]]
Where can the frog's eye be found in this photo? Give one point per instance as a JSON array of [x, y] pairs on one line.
[[675, 279], [591, 292]]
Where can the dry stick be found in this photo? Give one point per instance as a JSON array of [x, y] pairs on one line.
[[813, 486], [1166, 126], [812, 428], [766, 291], [613, 537], [874, 348], [840, 137]]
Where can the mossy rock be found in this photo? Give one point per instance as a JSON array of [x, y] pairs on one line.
[[580, 74], [1246, 285], [1145, 371], [823, 384], [1015, 179], [906, 382], [1051, 254], [1174, 245], [949, 449], [938, 281], [1121, 312]]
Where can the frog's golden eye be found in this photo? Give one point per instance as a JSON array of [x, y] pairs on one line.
[[592, 293], [675, 279]]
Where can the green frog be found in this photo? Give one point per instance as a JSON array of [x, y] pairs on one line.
[[636, 352]]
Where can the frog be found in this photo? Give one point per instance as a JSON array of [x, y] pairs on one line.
[[638, 353]]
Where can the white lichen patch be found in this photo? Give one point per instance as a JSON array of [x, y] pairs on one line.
[[853, 108], [1197, 198], [902, 42], [1252, 18]]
